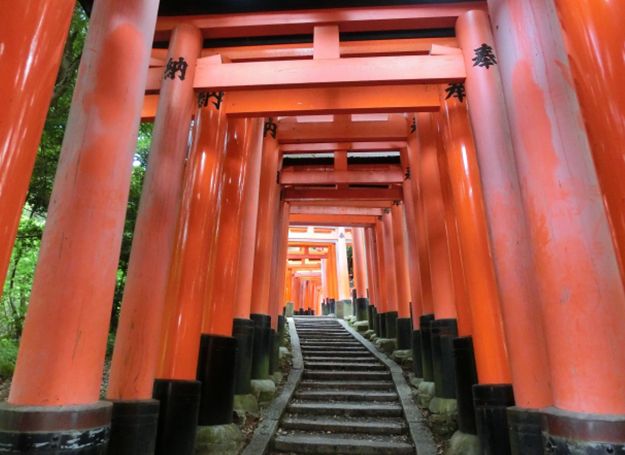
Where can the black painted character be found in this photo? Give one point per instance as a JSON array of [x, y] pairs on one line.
[[456, 90], [484, 56], [175, 66]]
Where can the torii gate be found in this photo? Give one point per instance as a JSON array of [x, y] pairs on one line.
[[526, 229]]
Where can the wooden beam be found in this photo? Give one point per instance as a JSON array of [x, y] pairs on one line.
[[320, 147], [342, 203], [294, 176], [332, 220], [323, 210], [418, 69], [300, 51], [350, 194], [341, 72], [332, 100], [394, 129], [407, 17]]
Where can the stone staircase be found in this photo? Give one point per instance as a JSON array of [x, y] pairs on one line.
[[346, 401]]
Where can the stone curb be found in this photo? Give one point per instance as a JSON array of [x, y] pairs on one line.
[[420, 433], [270, 418]]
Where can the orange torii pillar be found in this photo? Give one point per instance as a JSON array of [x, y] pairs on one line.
[[404, 324], [217, 345], [425, 162], [418, 249], [279, 301], [390, 277], [56, 385], [577, 271], [414, 267], [332, 280], [33, 42], [594, 36], [380, 310], [359, 258], [242, 325], [276, 305], [509, 236], [491, 356], [268, 211], [138, 335], [342, 275], [373, 279], [186, 289]]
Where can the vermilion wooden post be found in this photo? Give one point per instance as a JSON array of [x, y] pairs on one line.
[[404, 324], [137, 341], [390, 273], [199, 213], [509, 235], [434, 214], [420, 227], [216, 365], [577, 271], [491, 356], [593, 36], [342, 267], [268, 207], [382, 307], [33, 40], [75, 277], [361, 279]]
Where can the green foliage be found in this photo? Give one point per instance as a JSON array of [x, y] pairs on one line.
[[8, 355]]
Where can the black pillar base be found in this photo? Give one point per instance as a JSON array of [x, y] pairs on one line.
[[134, 425], [281, 327], [274, 352], [491, 403], [525, 427], [404, 333], [391, 324], [417, 361], [262, 346], [426, 346], [443, 333], [466, 378], [331, 306], [370, 318], [591, 434], [216, 373], [361, 309], [243, 332], [55, 429], [382, 320], [178, 416]]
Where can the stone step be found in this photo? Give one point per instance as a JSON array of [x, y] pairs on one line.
[[345, 395], [344, 353], [338, 374], [346, 365], [344, 425], [304, 443], [347, 385], [346, 408], [354, 359]]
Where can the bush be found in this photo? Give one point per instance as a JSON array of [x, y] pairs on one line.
[[8, 355]]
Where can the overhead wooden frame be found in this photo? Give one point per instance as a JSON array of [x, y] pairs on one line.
[[343, 72], [410, 17], [396, 128], [312, 101], [329, 210], [330, 147], [332, 220], [383, 174], [349, 194]]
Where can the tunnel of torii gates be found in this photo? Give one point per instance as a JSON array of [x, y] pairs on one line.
[[471, 152]]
